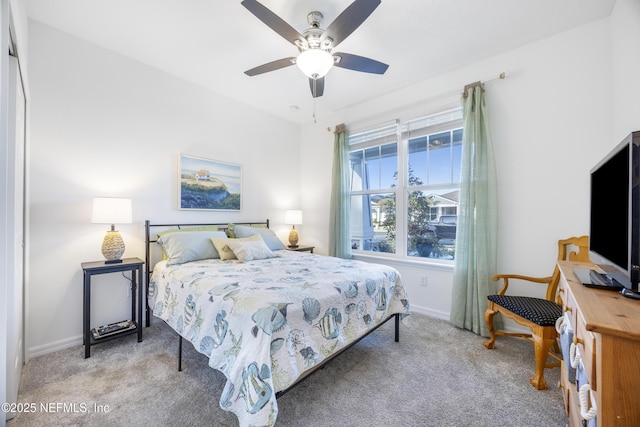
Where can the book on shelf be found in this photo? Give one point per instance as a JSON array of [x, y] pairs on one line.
[[112, 329]]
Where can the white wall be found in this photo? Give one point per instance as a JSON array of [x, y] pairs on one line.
[[551, 121], [625, 35], [105, 125]]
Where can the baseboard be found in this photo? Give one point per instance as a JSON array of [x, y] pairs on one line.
[[47, 348], [509, 325], [513, 327], [43, 349], [430, 312]]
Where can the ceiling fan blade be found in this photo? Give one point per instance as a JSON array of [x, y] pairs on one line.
[[273, 21], [349, 20], [317, 87], [359, 63], [271, 66]]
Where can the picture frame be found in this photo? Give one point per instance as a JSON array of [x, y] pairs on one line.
[[206, 184]]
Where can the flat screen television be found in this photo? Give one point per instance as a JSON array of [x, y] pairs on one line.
[[614, 238]]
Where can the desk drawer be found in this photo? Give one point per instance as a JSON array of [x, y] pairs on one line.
[[586, 343], [565, 385], [563, 289], [570, 307], [575, 419]]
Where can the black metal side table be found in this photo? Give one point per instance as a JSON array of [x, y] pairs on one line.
[[90, 269], [301, 248]]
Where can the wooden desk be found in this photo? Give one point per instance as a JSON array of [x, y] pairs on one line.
[[606, 329]]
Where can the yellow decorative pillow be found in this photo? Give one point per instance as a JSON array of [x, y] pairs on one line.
[[223, 248]]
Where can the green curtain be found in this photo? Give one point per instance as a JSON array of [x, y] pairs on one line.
[[476, 238], [339, 233]]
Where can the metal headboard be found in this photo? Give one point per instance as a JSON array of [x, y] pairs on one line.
[[151, 238]]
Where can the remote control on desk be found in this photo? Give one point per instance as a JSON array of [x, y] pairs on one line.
[[630, 294]]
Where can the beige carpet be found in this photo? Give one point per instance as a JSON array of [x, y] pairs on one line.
[[437, 375]]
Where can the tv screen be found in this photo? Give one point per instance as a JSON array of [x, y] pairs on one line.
[[615, 208], [610, 209]]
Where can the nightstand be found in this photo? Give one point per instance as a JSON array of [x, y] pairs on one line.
[[301, 248], [89, 269]]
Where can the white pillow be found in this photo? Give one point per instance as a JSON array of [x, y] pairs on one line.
[[222, 245], [189, 246], [249, 251]]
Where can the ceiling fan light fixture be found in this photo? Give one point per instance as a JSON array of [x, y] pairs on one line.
[[314, 63]]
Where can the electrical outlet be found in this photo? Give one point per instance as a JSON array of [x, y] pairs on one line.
[[423, 280]]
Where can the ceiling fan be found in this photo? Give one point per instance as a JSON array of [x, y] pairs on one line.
[[315, 45]]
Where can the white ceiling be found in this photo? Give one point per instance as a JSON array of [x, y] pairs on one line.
[[212, 42]]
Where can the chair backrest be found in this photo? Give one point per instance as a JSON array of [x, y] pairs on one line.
[[571, 249]]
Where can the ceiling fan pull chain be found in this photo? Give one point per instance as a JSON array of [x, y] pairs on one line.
[[314, 101]]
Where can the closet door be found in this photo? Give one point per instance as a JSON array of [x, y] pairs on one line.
[[15, 231]]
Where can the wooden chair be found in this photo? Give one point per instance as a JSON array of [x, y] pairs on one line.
[[538, 314]]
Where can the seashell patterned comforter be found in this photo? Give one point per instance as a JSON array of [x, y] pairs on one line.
[[263, 323]]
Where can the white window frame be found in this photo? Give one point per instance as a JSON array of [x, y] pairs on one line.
[[450, 119]]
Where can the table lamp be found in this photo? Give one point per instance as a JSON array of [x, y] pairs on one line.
[[111, 210], [293, 217]]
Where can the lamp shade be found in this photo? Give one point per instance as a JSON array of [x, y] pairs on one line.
[[293, 217], [314, 63], [111, 210]]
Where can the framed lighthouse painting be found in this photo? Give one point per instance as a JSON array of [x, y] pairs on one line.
[[206, 184]]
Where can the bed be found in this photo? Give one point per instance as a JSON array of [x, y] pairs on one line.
[[265, 317]]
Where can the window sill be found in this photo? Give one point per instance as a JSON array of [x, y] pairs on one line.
[[424, 262]]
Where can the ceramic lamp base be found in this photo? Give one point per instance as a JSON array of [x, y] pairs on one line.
[[293, 238], [112, 247]]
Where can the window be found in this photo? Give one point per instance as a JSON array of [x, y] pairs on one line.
[[405, 185]]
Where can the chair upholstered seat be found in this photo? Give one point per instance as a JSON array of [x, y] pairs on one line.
[[537, 310]]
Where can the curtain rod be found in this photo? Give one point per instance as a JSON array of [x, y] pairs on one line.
[[503, 75], [481, 83]]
